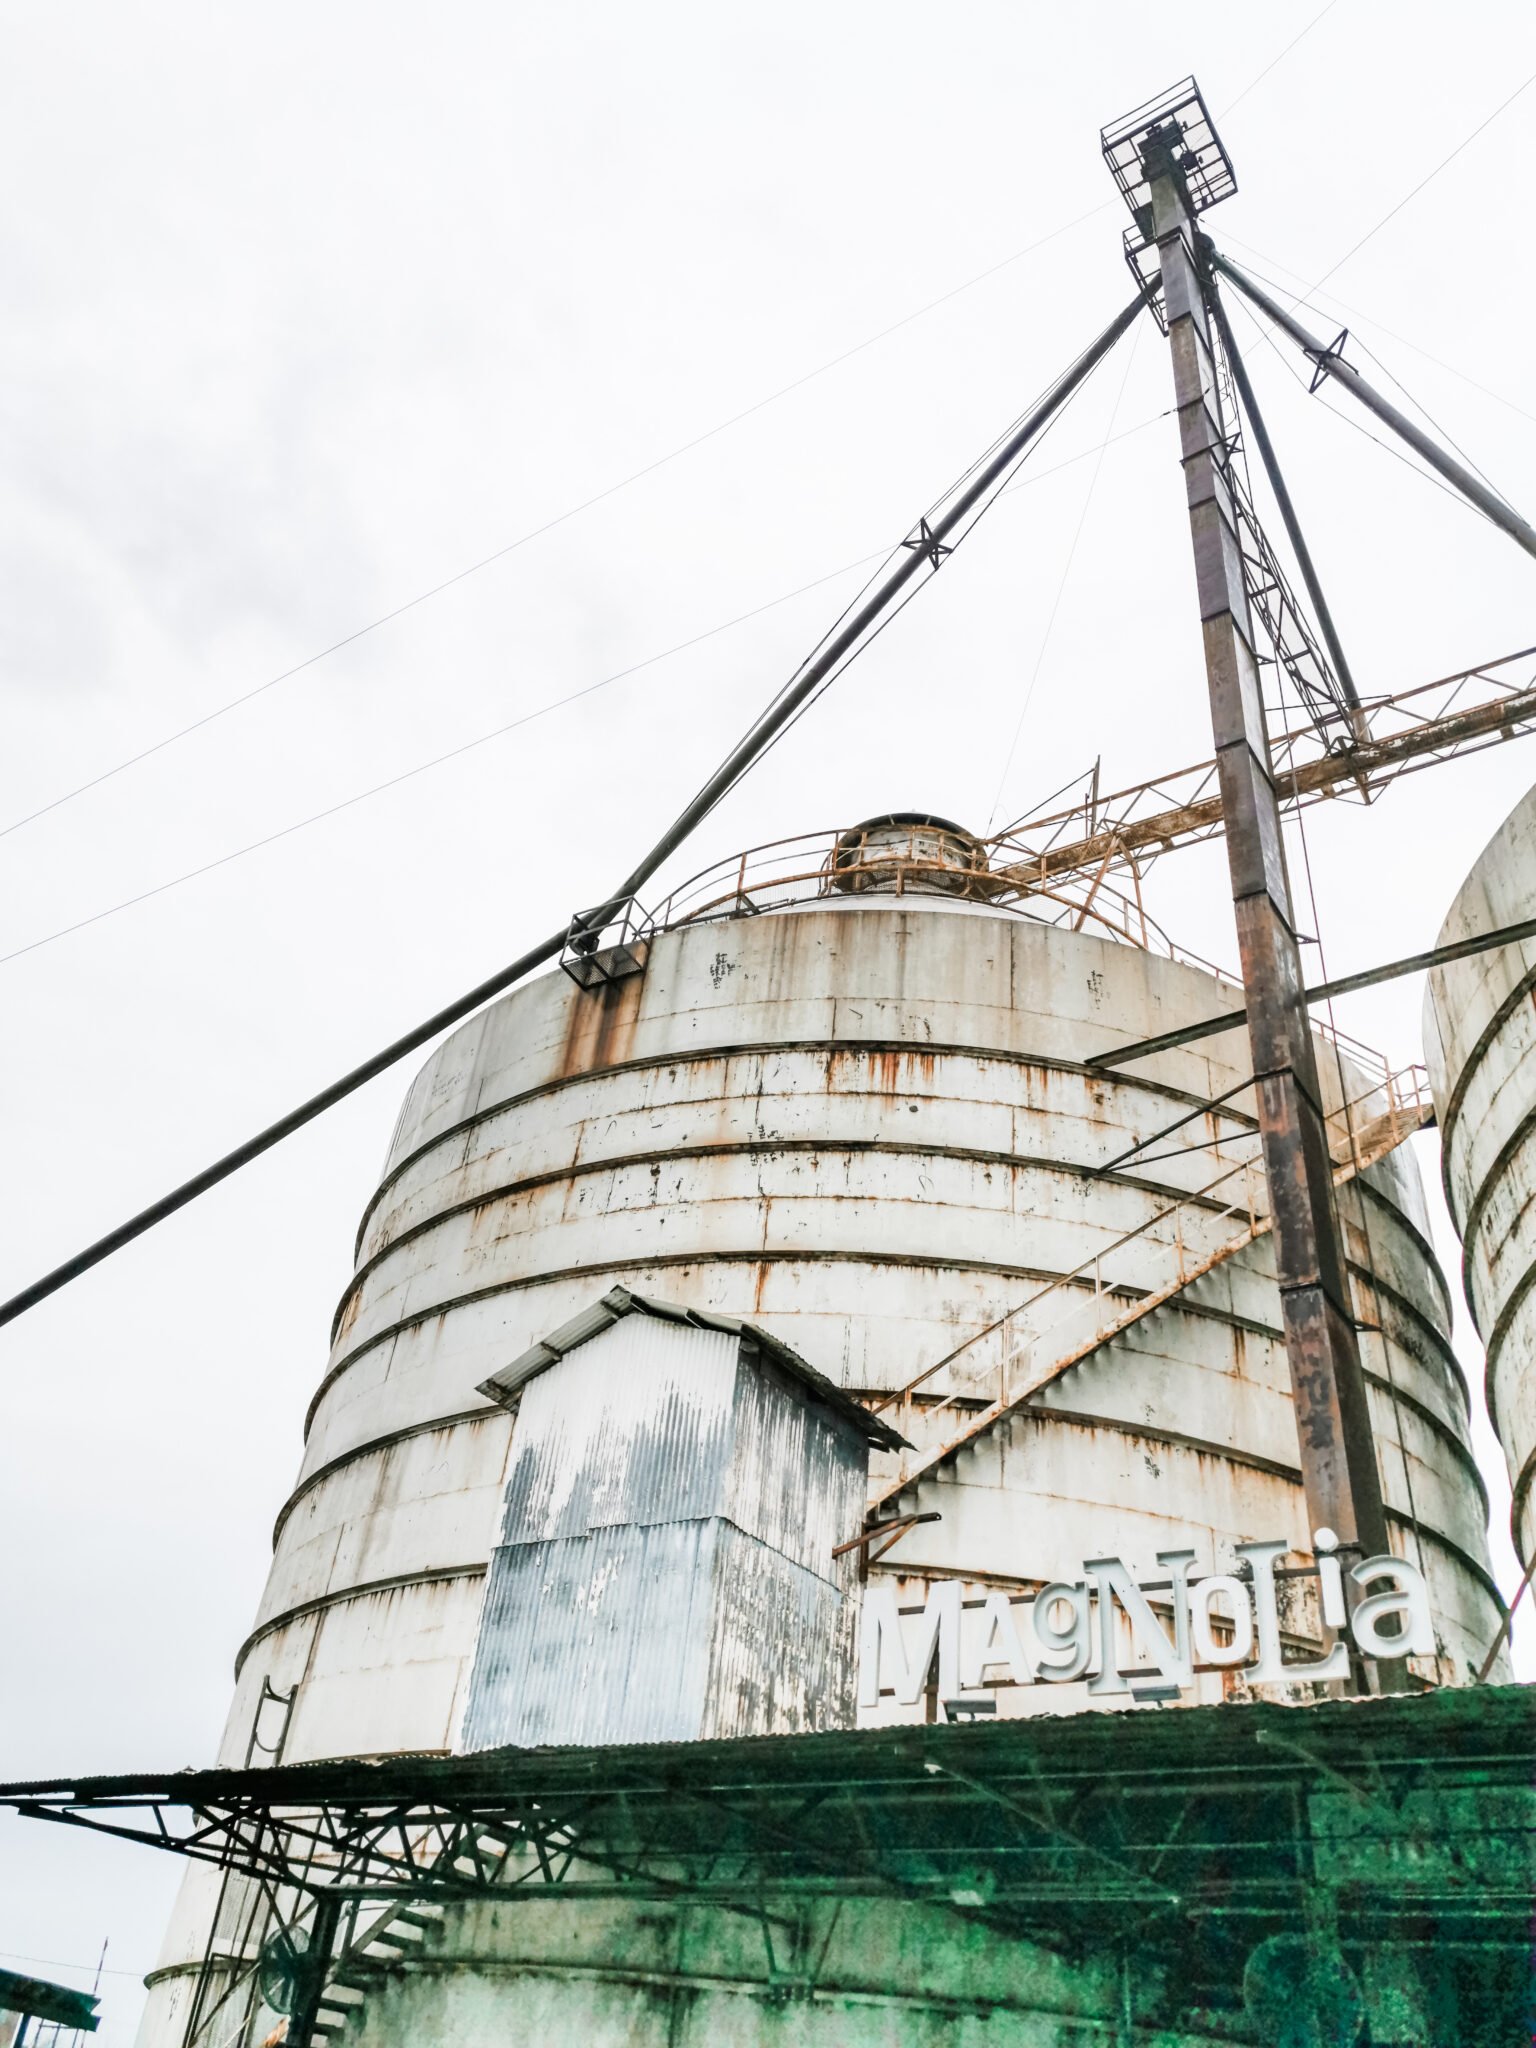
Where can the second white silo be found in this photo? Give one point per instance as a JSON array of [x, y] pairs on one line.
[[1480, 1035]]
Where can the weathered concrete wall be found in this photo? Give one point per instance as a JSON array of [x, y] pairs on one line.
[[1480, 1035], [887, 1974]]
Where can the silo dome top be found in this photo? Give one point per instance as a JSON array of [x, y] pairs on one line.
[[912, 851]]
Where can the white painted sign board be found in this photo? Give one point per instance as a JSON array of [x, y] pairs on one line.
[[1070, 1631]]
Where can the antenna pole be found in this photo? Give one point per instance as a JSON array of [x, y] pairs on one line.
[[1329, 362], [1338, 1454]]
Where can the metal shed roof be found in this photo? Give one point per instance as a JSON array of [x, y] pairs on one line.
[[35, 1998], [591, 1322], [1179, 1839]]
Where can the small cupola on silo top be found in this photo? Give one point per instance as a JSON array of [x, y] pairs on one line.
[[911, 853], [664, 1573]]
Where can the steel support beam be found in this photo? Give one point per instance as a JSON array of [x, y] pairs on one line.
[[1338, 1454], [1330, 364], [315, 1971], [1370, 766], [1393, 970]]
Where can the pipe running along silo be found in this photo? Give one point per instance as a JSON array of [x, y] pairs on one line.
[[1480, 1039], [848, 1101]]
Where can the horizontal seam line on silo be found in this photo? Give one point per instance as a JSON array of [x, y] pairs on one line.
[[753, 1048], [1483, 1194], [941, 2006], [1464, 1072], [1408, 1307], [362, 1591], [1493, 1343], [373, 1446], [752, 1148], [1518, 1492], [1248, 1460], [1204, 1447], [1426, 1415], [1438, 1337], [1183, 1304], [756, 1256], [1433, 1422], [1406, 1223], [1464, 1558]]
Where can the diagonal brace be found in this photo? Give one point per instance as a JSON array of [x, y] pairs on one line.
[[1331, 364], [1277, 484]]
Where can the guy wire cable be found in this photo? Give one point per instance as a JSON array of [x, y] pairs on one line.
[[937, 536], [535, 533], [928, 545], [636, 476], [1339, 413], [1377, 326], [539, 711], [1011, 482], [1417, 403]]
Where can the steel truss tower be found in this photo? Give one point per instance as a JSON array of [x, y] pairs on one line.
[[1171, 165]]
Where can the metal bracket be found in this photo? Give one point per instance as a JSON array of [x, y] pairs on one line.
[[1333, 353], [924, 539], [590, 963], [896, 1527], [969, 1709]]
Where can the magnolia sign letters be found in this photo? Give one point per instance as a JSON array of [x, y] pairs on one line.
[[1070, 1630]]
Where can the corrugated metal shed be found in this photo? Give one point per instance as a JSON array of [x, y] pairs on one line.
[[676, 1488]]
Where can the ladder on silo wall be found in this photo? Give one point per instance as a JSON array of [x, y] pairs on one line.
[[1355, 1149]]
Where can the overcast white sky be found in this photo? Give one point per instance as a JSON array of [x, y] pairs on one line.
[[306, 308]]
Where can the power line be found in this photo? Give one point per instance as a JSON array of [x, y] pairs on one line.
[[560, 519], [1248, 88], [1393, 212], [610, 490], [53, 1963], [423, 767], [1061, 586], [542, 711]]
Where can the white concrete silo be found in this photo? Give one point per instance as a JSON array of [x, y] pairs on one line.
[[1480, 1038], [853, 1110]]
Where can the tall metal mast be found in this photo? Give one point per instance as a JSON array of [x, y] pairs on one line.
[[1170, 165]]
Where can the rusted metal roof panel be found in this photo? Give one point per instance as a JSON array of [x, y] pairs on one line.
[[591, 1322]]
